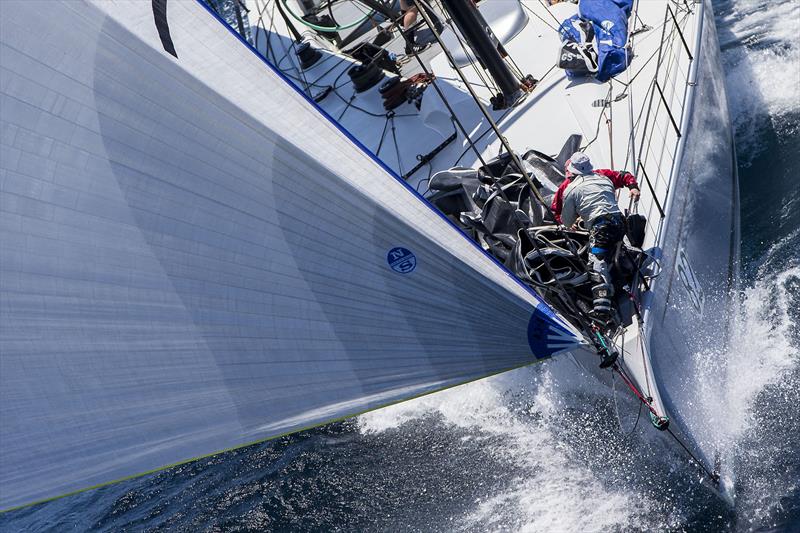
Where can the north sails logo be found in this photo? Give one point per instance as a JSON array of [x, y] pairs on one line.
[[401, 260]]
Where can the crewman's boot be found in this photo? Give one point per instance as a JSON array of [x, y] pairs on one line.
[[602, 293], [437, 24], [411, 39]]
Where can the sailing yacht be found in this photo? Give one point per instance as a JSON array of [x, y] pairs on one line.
[[663, 118], [208, 242]]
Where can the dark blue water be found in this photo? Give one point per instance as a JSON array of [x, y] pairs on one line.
[[524, 451]]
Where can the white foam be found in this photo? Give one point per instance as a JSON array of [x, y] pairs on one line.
[[762, 350], [761, 57], [551, 491]]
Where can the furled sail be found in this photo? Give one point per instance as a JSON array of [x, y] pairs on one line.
[[193, 258]]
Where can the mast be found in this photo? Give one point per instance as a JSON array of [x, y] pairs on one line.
[[487, 48]]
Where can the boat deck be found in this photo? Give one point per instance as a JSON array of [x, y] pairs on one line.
[[632, 122]]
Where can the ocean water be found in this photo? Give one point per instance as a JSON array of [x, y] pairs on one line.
[[542, 449]]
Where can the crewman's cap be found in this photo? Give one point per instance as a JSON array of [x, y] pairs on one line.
[[580, 163]]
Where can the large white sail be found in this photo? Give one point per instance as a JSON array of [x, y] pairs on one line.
[[193, 258]]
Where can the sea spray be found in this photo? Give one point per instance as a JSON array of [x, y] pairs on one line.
[[545, 487], [761, 56]]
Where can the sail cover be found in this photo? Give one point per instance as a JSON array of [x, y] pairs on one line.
[[194, 258]]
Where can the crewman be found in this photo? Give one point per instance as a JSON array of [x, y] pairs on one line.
[[588, 193], [410, 12]]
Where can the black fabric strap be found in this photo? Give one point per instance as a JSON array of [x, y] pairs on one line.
[[160, 17]]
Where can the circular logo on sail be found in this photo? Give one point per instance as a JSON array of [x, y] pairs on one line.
[[401, 260]]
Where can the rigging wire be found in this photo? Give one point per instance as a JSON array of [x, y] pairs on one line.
[[289, 24], [714, 476], [630, 154], [301, 70], [445, 78], [396, 147], [547, 9], [383, 136], [596, 133], [337, 64], [478, 138], [628, 86], [607, 113], [535, 14], [500, 119], [614, 395], [285, 51], [504, 142], [515, 158], [425, 180], [664, 38]]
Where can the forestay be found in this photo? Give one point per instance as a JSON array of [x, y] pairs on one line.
[[194, 258]]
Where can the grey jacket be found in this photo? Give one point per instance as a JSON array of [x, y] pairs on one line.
[[588, 196]]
